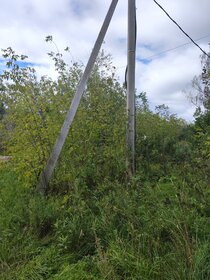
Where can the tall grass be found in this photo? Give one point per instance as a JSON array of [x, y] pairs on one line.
[[158, 230]]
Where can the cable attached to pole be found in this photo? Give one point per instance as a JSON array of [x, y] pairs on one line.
[[126, 70]]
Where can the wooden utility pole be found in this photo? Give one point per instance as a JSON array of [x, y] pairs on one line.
[[131, 87], [50, 166]]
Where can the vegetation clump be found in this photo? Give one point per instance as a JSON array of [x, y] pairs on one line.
[[94, 223]]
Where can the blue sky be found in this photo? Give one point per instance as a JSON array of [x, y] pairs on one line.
[[76, 23]]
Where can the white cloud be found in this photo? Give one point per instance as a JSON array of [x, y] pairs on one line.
[[25, 23]]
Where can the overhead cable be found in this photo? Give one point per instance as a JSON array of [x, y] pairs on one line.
[[180, 28], [168, 50], [175, 48]]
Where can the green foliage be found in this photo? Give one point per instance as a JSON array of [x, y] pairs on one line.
[[117, 231], [202, 134], [2, 110], [36, 110], [160, 146], [201, 98], [93, 223], [97, 139]]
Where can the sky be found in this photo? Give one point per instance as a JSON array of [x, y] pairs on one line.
[[164, 75]]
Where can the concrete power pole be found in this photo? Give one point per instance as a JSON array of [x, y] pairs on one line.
[[131, 87], [50, 166]]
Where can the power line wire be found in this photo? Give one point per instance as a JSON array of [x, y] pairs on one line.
[[180, 27], [172, 49], [169, 50]]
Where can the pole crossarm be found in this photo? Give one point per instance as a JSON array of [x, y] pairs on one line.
[[51, 163]]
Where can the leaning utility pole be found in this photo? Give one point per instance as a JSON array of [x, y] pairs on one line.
[[131, 87], [50, 166]]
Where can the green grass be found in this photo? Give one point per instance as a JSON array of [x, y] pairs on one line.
[[158, 230]]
